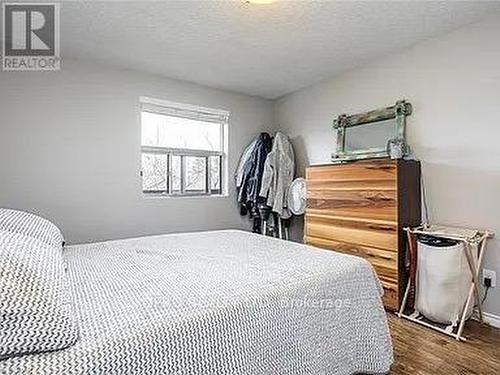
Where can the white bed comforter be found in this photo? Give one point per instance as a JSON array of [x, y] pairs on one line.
[[226, 302]]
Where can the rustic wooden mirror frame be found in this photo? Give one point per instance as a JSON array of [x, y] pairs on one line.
[[399, 111]]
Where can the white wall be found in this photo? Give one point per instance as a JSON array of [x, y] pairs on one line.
[[453, 83], [69, 150]]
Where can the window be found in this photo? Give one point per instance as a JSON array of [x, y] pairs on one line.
[[183, 149]]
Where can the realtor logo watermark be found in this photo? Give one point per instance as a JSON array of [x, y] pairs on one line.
[[30, 37]]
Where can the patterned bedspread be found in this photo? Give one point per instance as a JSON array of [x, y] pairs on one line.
[[225, 302]]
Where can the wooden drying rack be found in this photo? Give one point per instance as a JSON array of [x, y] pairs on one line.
[[469, 238]]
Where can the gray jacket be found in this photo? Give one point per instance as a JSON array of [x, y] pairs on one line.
[[278, 174]]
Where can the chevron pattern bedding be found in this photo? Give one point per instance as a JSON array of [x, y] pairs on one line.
[[225, 302], [31, 225], [36, 313]]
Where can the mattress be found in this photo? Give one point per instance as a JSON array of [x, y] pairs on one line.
[[224, 302]]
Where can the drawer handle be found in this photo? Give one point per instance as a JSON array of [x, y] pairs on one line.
[[381, 167], [380, 227]]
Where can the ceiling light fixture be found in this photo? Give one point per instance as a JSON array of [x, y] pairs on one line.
[[260, 1]]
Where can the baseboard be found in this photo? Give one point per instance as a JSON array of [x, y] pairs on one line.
[[489, 318]]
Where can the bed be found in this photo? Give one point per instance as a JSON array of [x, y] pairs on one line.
[[222, 302]]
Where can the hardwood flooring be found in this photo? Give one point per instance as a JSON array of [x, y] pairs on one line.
[[422, 351]]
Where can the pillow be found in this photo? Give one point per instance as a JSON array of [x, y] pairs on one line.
[[31, 225], [36, 313]]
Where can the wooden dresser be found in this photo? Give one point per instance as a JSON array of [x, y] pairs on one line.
[[361, 208]]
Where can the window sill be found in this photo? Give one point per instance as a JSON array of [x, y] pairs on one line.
[[165, 196]]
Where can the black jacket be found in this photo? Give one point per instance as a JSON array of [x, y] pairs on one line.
[[248, 193]]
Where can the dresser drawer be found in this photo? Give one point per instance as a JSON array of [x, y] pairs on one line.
[[384, 262], [369, 170], [374, 198], [390, 298], [382, 235], [350, 198], [375, 213]]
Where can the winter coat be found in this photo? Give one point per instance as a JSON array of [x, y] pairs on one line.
[[250, 176], [278, 174], [243, 160]]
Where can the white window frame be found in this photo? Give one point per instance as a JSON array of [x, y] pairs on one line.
[[188, 111]]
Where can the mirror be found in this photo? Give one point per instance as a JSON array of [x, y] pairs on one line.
[[374, 134], [368, 136]]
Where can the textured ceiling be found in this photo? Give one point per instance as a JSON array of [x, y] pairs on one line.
[[262, 50]]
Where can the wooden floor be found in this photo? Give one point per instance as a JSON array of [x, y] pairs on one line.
[[422, 351]]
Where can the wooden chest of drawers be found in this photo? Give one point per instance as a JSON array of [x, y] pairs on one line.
[[361, 208]]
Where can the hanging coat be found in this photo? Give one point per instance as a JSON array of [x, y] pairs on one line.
[[278, 174], [243, 160], [250, 177]]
